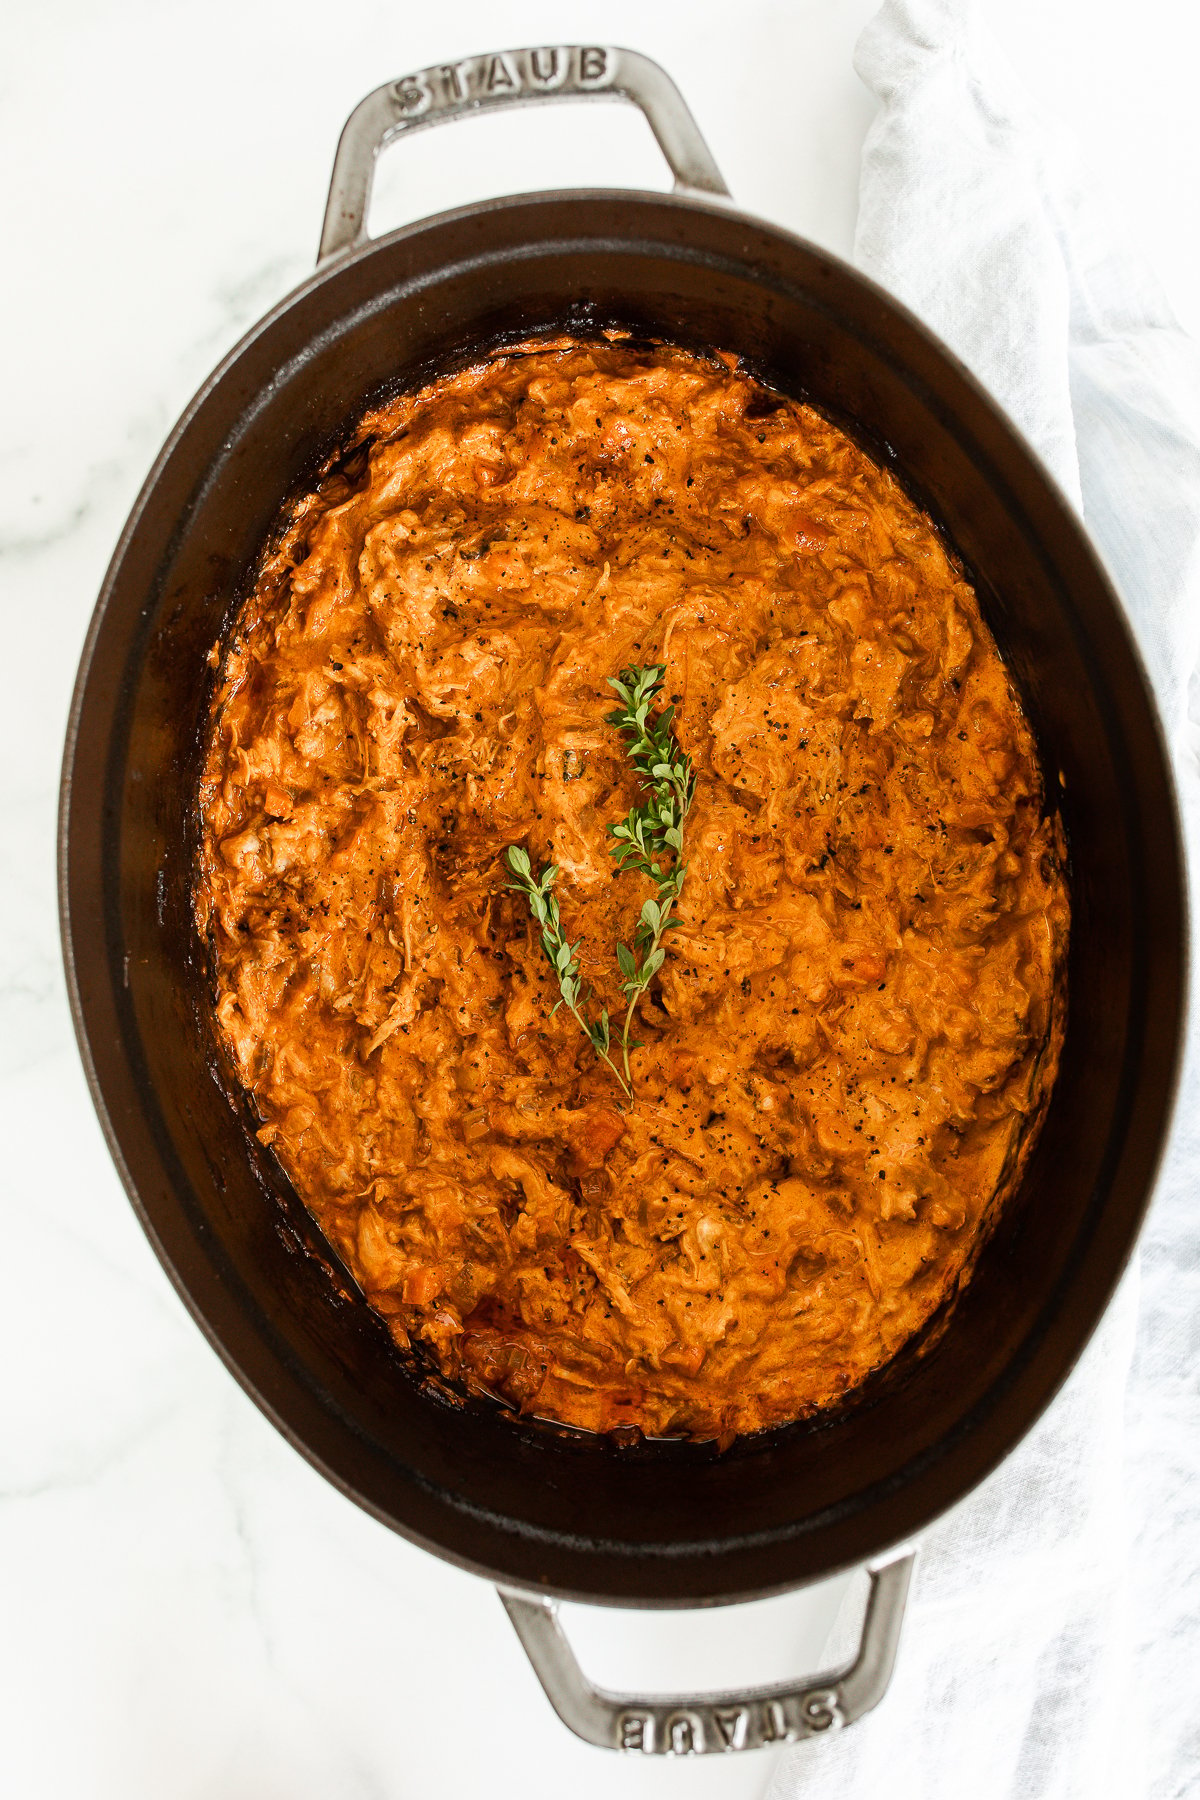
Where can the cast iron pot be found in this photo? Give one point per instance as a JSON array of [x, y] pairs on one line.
[[539, 1512]]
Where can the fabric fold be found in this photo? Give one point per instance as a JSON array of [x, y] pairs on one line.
[[1055, 1625]]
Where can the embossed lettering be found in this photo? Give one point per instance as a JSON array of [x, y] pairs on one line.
[[543, 65], [451, 75], [821, 1710], [732, 1726], [774, 1726], [681, 1733], [411, 94], [500, 77], [593, 63], [632, 1727]]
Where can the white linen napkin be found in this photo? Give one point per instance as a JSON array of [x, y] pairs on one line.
[[1053, 1638]]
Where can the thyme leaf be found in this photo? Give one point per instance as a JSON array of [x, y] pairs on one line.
[[560, 953], [648, 840]]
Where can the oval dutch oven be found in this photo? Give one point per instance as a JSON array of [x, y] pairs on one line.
[[548, 1514]]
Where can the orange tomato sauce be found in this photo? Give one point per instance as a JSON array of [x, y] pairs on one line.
[[851, 1042]]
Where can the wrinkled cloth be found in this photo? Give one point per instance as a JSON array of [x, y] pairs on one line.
[[1053, 1638]]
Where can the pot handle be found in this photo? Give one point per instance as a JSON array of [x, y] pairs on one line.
[[739, 1720], [507, 78]]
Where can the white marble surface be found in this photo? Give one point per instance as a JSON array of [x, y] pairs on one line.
[[188, 1611]]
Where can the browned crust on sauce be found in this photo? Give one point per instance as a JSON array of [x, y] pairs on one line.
[[858, 1023]]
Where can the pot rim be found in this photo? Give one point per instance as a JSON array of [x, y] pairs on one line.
[[324, 274]]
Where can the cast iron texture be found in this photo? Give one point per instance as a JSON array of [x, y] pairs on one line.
[[672, 1525]]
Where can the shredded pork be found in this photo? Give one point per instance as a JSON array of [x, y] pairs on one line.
[[849, 1047]]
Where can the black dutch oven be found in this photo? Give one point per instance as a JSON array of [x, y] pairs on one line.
[[547, 1514]]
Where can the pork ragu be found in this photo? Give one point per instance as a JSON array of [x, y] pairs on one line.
[[847, 1050]]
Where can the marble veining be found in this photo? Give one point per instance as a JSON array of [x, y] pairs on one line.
[[190, 1611]]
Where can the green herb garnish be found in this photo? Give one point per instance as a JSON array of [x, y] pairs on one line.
[[562, 956], [649, 840]]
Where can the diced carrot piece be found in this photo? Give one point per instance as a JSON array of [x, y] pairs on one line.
[[594, 1136], [276, 801], [421, 1286]]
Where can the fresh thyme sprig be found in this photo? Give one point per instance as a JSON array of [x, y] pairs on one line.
[[649, 839], [562, 956]]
